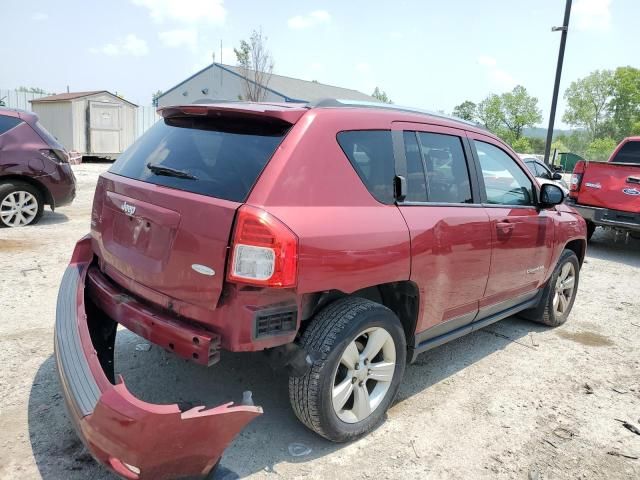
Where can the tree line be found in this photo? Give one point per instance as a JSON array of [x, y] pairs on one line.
[[604, 107]]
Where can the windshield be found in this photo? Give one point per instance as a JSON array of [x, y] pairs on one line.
[[217, 157]]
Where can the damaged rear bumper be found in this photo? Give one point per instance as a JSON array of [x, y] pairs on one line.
[[135, 439]]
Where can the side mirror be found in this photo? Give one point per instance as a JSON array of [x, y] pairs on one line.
[[551, 195], [556, 168], [556, 176]]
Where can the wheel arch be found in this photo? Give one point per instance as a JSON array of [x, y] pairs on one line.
[[402, 298], [579, 247], [44, 191]]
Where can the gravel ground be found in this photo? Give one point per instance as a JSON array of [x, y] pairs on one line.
[[513, 400]]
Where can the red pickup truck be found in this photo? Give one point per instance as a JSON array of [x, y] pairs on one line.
[[608, 194]]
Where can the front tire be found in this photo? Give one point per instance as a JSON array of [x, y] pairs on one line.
[[361, 355], [559, 294]]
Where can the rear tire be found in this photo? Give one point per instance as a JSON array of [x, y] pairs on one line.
[[361, 356], [559, 294], [21, 204]]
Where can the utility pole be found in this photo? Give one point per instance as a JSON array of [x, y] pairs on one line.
[[556, 87]]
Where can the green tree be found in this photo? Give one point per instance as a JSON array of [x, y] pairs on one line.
[[600, 149], [508, 114], [559, 146], [521, 145], [489, 112], [519, 110], [625, 103], [537, 145], [154, 97], [588, 102], [467, 110], [256, 66], [381, 95]]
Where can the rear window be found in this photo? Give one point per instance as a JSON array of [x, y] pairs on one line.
[[7, 123], [223, 157], [371, 154], [629, 153]]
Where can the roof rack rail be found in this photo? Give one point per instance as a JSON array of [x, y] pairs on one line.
[[343, 103]]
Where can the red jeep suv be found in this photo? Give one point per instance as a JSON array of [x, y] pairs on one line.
[[342, 239]]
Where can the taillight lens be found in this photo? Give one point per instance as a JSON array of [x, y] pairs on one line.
[[264, 250], [576, 179], [54, 155]]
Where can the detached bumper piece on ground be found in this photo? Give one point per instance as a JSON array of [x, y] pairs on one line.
[[135, 439]]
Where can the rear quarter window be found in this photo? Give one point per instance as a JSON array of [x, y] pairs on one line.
[[7, 123], [224, 156], [370, 152]]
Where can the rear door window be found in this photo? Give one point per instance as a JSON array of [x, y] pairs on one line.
[[7, 123], [218, 157], [371, 155], [446, 167], [629, 153]]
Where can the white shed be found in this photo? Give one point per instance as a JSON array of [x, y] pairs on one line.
[[97, 123]]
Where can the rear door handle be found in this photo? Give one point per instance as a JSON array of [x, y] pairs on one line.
[[505, 226], [633, 180]]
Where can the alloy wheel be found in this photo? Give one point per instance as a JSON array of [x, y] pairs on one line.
[[18, 208], [363, 376], [565, 286]]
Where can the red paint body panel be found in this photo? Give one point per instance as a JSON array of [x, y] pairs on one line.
[[450, 259], [608, 194], [603, 185], [159, 440], [169, 231]]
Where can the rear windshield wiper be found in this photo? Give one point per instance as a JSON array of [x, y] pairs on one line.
[[170, 172]]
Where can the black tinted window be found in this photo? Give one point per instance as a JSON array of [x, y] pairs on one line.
[[7, 123], [224, 155], [629, 153], [416, 179], [447, 171], [371, 154]]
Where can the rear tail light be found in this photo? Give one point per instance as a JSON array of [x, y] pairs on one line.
[[576, 179], [264, 250], [54, 155]]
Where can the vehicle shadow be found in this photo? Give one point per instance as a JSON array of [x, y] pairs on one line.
[[606, 245], [157, 376], [53, 218]]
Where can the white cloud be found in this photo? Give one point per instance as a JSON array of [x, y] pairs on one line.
[[312, 19], [39, 17], [592, 15], [185, 11], [129, 45], [487, 61], [316, 67], [180, 38], [498, 77]]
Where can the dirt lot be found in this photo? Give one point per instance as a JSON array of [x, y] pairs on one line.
[[514, 400]]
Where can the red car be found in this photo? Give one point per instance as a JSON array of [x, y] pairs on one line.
[[608, 194], [343, 240], [34, 170]]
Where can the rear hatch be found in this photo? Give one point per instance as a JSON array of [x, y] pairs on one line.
[[163, 214], [615, 184]]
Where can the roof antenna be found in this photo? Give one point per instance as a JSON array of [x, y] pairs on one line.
[[67, 88]]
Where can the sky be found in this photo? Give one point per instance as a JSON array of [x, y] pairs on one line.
[[430, 54]]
